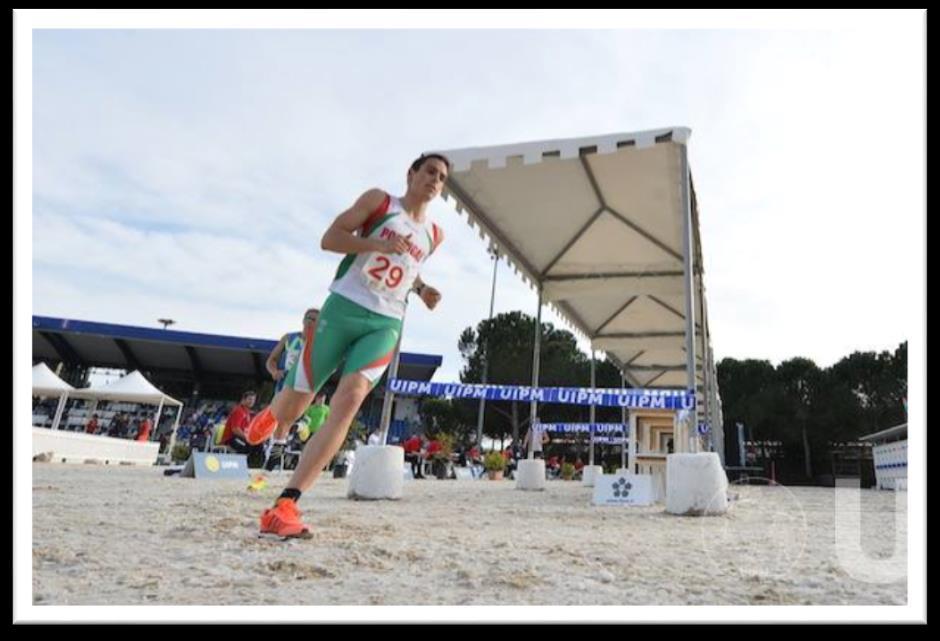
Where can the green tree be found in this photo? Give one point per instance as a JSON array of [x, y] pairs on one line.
[[508, 340], [807, 408]]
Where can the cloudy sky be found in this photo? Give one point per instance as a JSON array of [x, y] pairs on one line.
[[190, 173]]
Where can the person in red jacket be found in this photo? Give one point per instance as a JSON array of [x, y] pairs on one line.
[[412, 449], [143, 430], [234, 433]]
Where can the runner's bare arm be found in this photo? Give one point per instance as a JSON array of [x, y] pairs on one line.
[[271, 363], [428, 294], [341, 236]]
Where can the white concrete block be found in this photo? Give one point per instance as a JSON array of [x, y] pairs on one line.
[[377, 473], [589, 473], [530, 474], [696, 484]]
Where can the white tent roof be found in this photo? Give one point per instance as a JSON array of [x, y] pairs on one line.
[[133, 387], [598, 223], [46, 383]]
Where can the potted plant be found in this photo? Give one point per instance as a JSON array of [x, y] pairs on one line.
[[494, 464], [567, 471], [441, 458], [180, 452]]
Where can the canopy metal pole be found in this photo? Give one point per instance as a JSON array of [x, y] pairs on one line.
[[386, 419], [591, 430], [486, 353], [711, 384], [535, 377], [688, 249], [94, 408], [633, 443], [706, 375], [626, 430]]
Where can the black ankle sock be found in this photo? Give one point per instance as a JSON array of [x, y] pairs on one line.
[[290, 493]]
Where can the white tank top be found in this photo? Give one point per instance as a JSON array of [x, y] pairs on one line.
[[380, 282]]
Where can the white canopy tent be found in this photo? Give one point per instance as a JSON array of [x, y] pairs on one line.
[[47, 384], [133, 388], [605, 228]]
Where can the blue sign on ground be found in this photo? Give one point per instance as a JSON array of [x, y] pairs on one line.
[[202, 465]]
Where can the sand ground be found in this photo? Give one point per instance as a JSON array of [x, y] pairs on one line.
[[105, 535]]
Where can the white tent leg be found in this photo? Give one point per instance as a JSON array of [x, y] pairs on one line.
[[156, 420], [176, 424], [533, 407], [59, 409]]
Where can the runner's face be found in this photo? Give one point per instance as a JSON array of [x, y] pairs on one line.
[[428, 181], [310, 318]]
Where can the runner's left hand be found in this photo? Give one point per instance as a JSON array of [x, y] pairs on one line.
[[430, 296]]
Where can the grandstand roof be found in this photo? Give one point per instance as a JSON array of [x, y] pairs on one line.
[[95, 344]]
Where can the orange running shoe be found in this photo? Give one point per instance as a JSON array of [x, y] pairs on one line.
[[261, 427], [283, 520]]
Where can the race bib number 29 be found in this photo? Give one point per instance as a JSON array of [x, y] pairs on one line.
[[385, 274]]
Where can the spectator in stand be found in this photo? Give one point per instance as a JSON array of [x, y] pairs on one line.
[[538, 442], [475, 459], [202, 421], [91, 427], [200, 429], [144, 427], [554, 466], [316, 416], [509, 460], [234, 433], [434, 446], [413, 447], [516, 452], [116, 428], [460, 454], [133, 426], [197, 437]]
